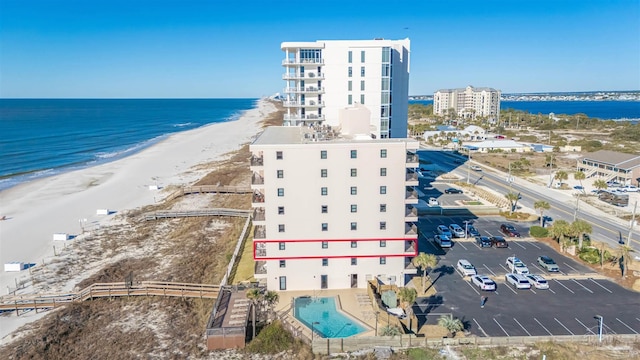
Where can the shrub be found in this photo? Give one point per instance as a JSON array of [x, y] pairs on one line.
[[538, 232], [272, 339], [590, 255]]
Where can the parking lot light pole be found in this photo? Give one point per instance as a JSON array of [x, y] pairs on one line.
[[600, 320], [466, 229]]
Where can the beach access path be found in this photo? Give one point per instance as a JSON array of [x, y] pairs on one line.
[[69, 203]]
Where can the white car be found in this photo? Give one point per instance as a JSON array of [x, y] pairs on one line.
[[465, 268], [456, 230], [433, 201], [484, 282], [476, 168], [516, 265], [518, 281], [629, 188], [538, 281], [443, 230]]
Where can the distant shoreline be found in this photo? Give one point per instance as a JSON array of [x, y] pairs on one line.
[[621, 95]]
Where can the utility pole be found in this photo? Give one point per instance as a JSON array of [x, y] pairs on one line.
[[551, 171], [468, 164], [633, 220]]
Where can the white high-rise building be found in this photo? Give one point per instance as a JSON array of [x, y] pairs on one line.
[[323, 77], [332, 207], [468, 103]]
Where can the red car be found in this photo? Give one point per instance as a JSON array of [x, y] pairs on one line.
[[509, 230]]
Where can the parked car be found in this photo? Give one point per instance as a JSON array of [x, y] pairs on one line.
[[472, 231], [456, 230], [444, 230], [629, 188], [453, 191], [483, 282], [538, 281], [465, 268], [548, 263], [518, 281], [499, 242], [483, 241], [433, 201], [516, 265], [443, 241], [578, 187], [476, 168], [509, 230]]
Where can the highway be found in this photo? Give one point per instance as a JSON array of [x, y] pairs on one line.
[[563, 206]]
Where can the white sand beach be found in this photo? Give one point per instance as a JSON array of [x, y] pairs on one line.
[[69, 202]]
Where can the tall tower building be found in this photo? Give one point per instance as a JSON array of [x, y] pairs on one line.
[[468, 103], [323, 77]]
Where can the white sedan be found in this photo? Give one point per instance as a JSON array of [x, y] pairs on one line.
[[476, 168], [483, 282], [538, 281]]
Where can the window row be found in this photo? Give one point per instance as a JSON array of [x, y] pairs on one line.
[[354, 172], [354, 208], [353, 154], [325, 262], [324, 191], [350, 71], [325, 244], [350, 56], [325, 227]]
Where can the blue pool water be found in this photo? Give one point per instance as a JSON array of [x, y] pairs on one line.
[[325, 317]]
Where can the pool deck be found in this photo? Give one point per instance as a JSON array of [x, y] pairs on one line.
[[354, 302]]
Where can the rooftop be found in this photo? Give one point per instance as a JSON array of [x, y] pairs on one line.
[[274, 135], [617, 159]]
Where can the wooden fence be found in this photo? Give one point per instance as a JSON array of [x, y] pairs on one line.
[[220, 189], [163, 214]]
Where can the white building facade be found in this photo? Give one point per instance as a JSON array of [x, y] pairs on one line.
[[332, 211], [323, 77], [468, 102]]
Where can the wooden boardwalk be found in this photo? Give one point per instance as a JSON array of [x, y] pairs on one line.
[[163, 214], [108, 290], [203, 189]]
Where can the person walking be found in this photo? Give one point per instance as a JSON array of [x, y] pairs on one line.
[[483, 300]]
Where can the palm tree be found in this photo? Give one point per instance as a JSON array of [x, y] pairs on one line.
[[254, 295], [271, 298], [561, 175], [450, 323], [600, 184], [579, 175], [513, 200], [541, 206], [559, 230], [581, 227], [624, 252], [407, 297], [424, 261]]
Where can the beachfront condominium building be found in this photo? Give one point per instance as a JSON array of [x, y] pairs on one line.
[[467, 103], [323, 77], [333, 208]]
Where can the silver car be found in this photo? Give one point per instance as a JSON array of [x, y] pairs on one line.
[[456, 230], [518, 281], [548, 264]]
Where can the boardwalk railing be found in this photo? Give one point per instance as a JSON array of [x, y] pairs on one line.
[[163, 214], [221, 189], [100, 290]]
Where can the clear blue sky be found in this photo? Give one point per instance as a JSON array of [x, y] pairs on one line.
[[212, 48]]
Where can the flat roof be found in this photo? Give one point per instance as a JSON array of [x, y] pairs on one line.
[[617, 159], [283, 135]]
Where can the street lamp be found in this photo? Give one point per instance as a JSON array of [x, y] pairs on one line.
[[466, 229], [600, 321], [468, 164], [312, 324]]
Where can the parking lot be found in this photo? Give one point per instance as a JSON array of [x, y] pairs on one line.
[[576, 295]]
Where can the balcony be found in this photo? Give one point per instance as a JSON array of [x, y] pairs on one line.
[[302, 61], [256, 179], [257, 160], [410, 214], [258, 197], [307, 103], [412, 158], [259, 232], [258, 214], [309, 75], [410, 246], [409, 268], [261, 249], [411, 176], [299, 117], [307, 90], [410, 229], [411, 197]]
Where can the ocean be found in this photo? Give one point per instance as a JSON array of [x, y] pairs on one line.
[[45, 137], [606, 110]]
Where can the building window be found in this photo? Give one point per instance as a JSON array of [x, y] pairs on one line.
[[383, 207], [383, 153], [280, 191], [325, 244], [323, 154], [349, 99], [354, 244], [383, 171], [354, 190], [383, 243], [362, 71], [354, 154], [350, 57], [350, 71], [354, 172], [362, 85], [383, 260], [354, 208], [354, 261], [280, 227], [325, 262], [349, 85], [325, 209], [362, 56], [278, 155], [325, 226], [324, 191], [354, 226], [383, 189], [283, 263], [361, 98], [283, 283], [281, 245], [280, 210], [280, 174], [323, 172], [383, 225]]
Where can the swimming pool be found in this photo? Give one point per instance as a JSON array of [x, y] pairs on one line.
[[325, 317]]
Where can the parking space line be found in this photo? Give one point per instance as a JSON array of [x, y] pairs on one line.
[[585, 326], [569, 266], [509, 287], [532, 290], [545, 329], [584, 287], [496, 321], [459, 243], [525, 330], [515, 242], [553, 292], [637, 319], [480, 328], [473, 287], [535, 265], [486, 267], [505, 269], [559, 283], [608, 328], [597, 283], [561, 324], [628, 327], [534, 245]]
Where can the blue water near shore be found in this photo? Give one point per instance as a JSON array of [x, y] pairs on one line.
[[44, 137], [606, 110]]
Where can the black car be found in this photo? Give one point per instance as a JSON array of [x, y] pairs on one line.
[[453, 191], [483, 241], [472, 231], [509, 230], [499, 242]]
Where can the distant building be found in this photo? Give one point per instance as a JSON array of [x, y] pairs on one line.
[[323, 77], [541, 148], [468, 103], [497, 145], [611, 166], [470, 133]]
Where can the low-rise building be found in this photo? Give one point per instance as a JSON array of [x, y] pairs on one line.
[[497, 145], [611, 166]]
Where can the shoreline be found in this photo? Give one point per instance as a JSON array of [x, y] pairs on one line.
[[69, 202]]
